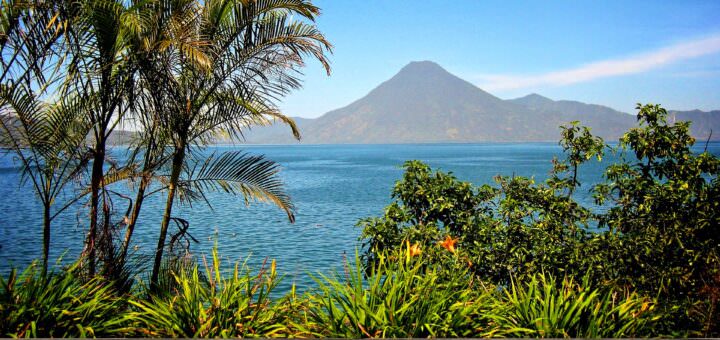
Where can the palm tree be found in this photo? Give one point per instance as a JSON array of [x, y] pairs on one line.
[[47, 139], [230, 60], [45, 134], [84, 46], [100, 67], [29, 34], [148, 39], [151, 152]]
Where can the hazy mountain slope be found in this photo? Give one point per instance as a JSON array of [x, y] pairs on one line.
[[277, 133], [424, 103], [604, 121], [610, 123], [704, 124]]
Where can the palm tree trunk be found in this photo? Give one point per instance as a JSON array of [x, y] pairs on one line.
[[144, 182], [134, 217], [46, 238], [178, 160], [95, 181]]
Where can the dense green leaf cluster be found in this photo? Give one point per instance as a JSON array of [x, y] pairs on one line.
[[545, 307], [57, 305], [209, 305], [657, 235], [405, 295], [179, 72]]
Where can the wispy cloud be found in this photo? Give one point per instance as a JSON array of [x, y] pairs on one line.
[[606, 68]]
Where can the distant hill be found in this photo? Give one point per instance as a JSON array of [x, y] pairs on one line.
[[121, 137], [424, 103], [705, 126], [611, 124], [275, 134], [603, 121]]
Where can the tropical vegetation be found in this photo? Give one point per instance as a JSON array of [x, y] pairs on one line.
[[179, 72], [446, 259], [654, 232]]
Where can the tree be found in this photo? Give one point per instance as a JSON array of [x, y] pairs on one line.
[[47, 139], [229, 61], [658, 234], [665, 202], [46, 134], [96, 43]]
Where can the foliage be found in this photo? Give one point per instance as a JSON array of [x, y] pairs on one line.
[[404, 296], [46, 140], [220, 77], [210, 305], [511, 231], [665, 202], [429, 205], [235, 172], [544, 307], [58, 305], [401, 298], [183, 71], [579, 146], [657, 237]]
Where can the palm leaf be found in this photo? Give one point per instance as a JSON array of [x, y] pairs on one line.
[[252, 176]]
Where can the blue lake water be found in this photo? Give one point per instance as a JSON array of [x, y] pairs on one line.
[[332, 187]]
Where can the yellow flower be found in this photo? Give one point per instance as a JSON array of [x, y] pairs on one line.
[[449, 243]]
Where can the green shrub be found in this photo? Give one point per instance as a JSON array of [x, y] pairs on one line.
[[59, 305], [665, 203], [658, 234], [405, 296], [543, 307], [212, 305], [517, 229], [402, 297], [429, 205]]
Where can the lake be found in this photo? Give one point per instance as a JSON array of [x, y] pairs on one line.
[[332, 187]]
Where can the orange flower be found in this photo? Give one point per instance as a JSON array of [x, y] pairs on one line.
[[415, 250], [449, 243], [412, 251]]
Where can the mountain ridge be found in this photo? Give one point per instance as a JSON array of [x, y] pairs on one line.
[[424, 103]]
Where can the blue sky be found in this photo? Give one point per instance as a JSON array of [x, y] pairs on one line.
[[614, 53]]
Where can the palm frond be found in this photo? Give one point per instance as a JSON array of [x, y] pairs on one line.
[[252, 176], [232, 112], [46, 138]]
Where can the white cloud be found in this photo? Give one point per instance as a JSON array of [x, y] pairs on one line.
[[607, 68]]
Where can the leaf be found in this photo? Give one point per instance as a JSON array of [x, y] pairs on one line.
[[236, 172]]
